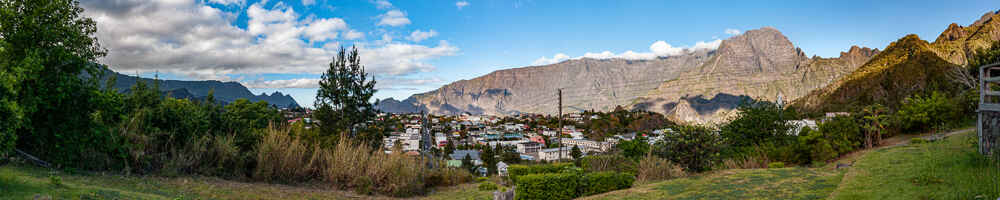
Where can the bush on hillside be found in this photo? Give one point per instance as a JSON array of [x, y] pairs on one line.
[[547, 186], [601, 182], [758, 123], [515, 171], [926, 112], [488, 186], [696, 148]]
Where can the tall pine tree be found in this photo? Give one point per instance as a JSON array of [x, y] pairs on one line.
[[343, 102]]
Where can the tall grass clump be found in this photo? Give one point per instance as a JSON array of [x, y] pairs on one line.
[[653, 168], [283, 157]]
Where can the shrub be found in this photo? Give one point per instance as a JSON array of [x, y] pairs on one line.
[[547, 186], [362, 185], [482, 179], [921, 113], [514, 171], [652, 168], [776, 165], [281, 157], [748, 159], [55, 180], [757, 122], [918, 140], [488, 186], [696, 148], [614, 163], [600, 182], [448, 177]]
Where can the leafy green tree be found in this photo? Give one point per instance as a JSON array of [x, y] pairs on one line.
[[634, 149], [920, 112], [47, 45], [243, 118], [696, 148], [576, 154], [757, 123], [875, 118], [11, 114], [344, 98], [467, 163]]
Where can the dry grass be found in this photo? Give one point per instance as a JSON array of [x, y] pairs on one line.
[[652, 168], [283, 157]]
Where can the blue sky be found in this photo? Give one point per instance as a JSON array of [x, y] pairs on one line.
[[416, 46]]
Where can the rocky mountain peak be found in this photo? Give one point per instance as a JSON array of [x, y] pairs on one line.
[[762, 50], [857, 51], [986, 18], [952, 33]]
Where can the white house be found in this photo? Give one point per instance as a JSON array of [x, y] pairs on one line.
[[552, 154], [798, 125], [502, 168], [528, 147]]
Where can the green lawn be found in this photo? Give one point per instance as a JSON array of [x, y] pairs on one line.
[[783, 183], [948, 169]]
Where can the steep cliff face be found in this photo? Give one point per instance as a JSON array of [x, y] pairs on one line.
[[760, 64], [697, 87], [588, 84], [956, 43]]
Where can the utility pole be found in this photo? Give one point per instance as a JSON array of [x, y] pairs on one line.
[[559, 134]]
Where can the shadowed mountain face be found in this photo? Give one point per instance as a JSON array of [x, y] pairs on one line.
[[225, 92], [696, 87]]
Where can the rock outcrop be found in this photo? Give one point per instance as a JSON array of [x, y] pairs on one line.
[[760, 64]]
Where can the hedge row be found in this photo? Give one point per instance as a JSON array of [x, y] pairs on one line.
[[514, 171], [570, 185]]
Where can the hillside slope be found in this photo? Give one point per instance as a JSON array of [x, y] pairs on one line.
[[908, 66]]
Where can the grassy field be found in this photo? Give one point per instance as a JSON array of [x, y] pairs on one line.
[[783, 183], [26, 182], [947, 169]]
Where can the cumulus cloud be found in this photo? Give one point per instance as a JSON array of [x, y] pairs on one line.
[[228, 2], [324, 29], [461, 4], [190, 38], [418, 35], [732, 31], [657, 49], [404, 83], [559, 57], [308, 2], [393, 18], [390, 83], [382, 4], [352, 34]]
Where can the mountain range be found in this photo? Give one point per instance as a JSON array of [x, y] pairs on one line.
[[705, 86], [224, 92]]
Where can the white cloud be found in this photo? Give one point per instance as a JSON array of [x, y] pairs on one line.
[[461, 4], [408, 83], [190, 38], [382, 4], [324, 29], [418, 35], [732, 31], [228, 2], [393, 18], [308, 2], [289, 83], [400, 58], [559, 57], [707, 45], [352, 34], [657, 49]]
